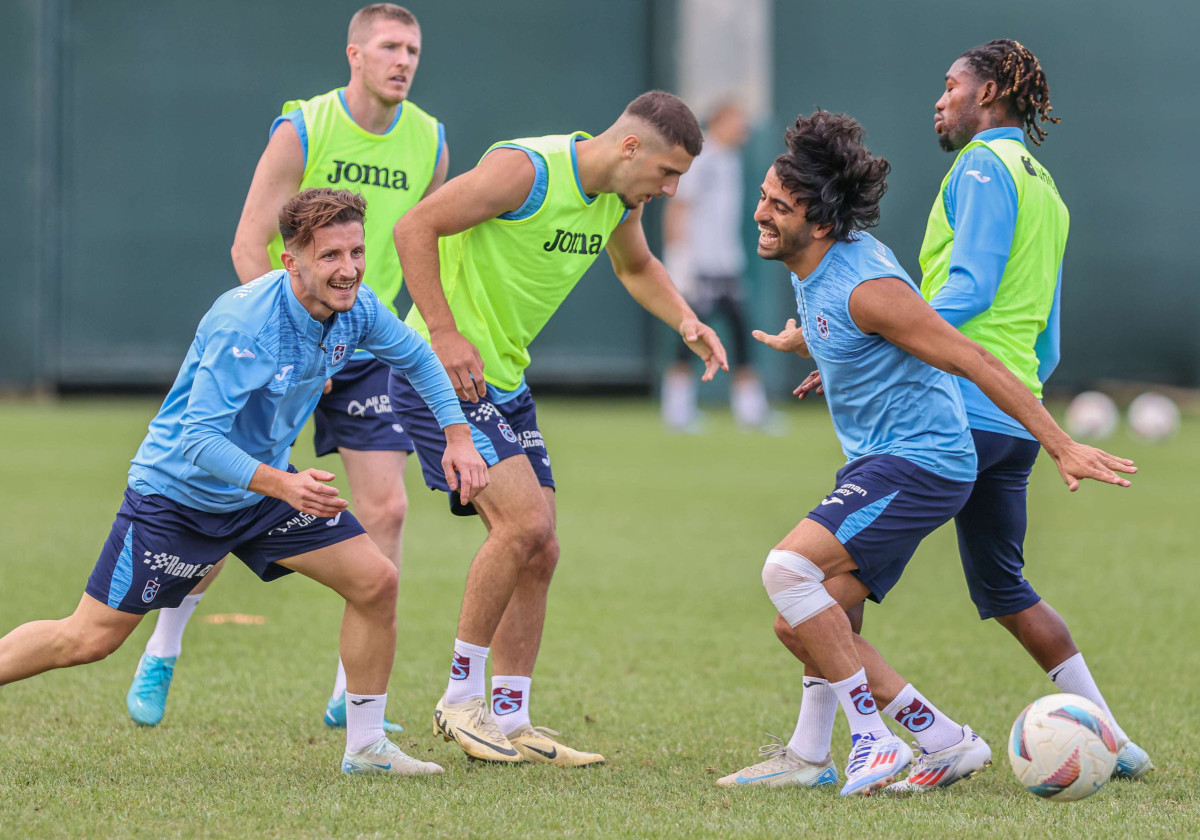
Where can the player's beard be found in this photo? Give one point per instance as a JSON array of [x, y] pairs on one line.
[[629, 204]]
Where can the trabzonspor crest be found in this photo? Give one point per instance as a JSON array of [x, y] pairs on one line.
[[862, 699], [822, 326], [505, 701], [915, 717]]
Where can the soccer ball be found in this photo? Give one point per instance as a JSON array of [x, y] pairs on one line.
[[1062, 747], [1092, 416], [1153, 417]]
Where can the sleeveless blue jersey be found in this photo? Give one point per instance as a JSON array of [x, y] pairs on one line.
[[883, 400]]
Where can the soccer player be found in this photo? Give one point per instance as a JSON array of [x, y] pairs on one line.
[[706, 257], [369, 138], [992, 266], [516, 233], [886, 360], [212, 475]]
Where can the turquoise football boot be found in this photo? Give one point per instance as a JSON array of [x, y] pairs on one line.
[[147, 697]]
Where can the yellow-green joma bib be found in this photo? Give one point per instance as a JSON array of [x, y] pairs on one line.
[[391, 171], [504, 278], [1010, 326]]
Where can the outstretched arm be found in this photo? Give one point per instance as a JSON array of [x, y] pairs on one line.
[[499, 184], [648, 282], [891, 308]]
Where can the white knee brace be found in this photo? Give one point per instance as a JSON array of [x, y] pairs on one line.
[[793, 583]]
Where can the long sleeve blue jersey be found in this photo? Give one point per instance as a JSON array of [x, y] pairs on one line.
[[251, 380], [983, 235]]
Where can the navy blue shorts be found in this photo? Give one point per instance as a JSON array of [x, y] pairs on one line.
[[499, 431], [158, 549], [882, 508], [991, 525], [357, 412]]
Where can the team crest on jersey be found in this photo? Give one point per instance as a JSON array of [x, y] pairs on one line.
[[151, 590], [506, 430], [339, 353], [822, 326]]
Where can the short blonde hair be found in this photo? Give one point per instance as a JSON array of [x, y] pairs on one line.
[[365, 17]]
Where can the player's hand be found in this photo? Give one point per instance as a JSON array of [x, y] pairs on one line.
[[702, 340], [1078, 461], [811, 384], [463, 364], [464, 467], [789, 340], [310, 492], [328, 386]]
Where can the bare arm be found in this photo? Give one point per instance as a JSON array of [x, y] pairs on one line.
[[648, 282], [890, 308], [499, 184], [276, 179]]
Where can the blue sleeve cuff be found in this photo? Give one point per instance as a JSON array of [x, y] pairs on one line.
[[441, 148], [296, 118], [537, 193]]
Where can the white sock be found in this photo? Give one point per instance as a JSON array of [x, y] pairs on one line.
[[748, 399], [859, 705], [678, 399], [167, 638], [510, 702], [339, 682], [813, 737], [1073, 677], [467, 670], [364, 720], [932, 729]]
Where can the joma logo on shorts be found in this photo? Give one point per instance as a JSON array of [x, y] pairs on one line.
[[367, 175], [574, 243]]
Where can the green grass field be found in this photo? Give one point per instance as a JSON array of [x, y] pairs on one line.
[[658, 652]]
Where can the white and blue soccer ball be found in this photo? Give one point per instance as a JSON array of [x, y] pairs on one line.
[[1062, 747], [1092, 416]]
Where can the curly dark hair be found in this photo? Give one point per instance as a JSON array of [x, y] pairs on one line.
[[829, 169], [1019, 76]]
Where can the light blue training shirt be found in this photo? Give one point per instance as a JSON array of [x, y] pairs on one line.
[[984, 222], [883, 400], [250, 381]]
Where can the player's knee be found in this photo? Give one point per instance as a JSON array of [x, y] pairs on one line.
[[379, 587], [84, 645], [545, 561], [386, 512], [531, 536], [793, 583]]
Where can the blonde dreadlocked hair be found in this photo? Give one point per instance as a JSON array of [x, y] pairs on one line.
[[1019, 76]]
